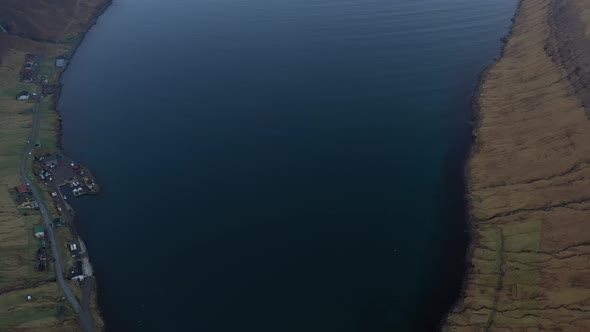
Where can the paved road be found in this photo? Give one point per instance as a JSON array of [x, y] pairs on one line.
[[84, 318]]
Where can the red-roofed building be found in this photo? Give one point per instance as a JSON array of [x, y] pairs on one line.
[[30, 58], [22, 189]]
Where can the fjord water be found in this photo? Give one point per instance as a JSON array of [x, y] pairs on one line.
[[285, 165]]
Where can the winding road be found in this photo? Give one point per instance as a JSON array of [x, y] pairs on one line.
[[84, 317]]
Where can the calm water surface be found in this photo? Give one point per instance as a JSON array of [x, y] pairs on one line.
[[285, 165]]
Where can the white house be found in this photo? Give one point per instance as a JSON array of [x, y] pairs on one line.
[[22, 96], [39, 231]]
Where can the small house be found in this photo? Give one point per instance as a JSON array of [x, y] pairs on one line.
[[22, 190], [60, 62], [73, 250], [42, 254], [30, 58], [41, 265], [77, 272], [39, 231], [23, 202], [27, 75], [24, 95]]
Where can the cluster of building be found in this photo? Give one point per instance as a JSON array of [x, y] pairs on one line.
[[39, 233], [77, 189], [77, 272], [24, 199], [29, 70], [45, 176], [63, 172], [81, 267], [47, 164], [50, 161], [61, 175], [28, 74]]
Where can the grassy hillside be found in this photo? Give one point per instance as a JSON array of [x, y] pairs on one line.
[[529, 188], [29, 24]]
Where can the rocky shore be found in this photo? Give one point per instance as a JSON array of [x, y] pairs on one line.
[[529, 180]]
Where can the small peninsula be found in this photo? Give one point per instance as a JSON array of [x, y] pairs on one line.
[[46, 280], [529, 181]]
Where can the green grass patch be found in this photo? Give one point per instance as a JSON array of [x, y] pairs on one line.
[[26, 315], [28, 110], [13, 145], [11, 92], [45, 68], [64, 253], [47, 134]]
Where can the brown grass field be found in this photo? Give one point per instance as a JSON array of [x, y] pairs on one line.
[[529, 182]]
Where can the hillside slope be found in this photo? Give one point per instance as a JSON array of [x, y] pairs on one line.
[[529, 181], [48, 29]]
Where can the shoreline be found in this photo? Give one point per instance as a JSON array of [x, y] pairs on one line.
[[474, 118], [75, 221], [515, 222], [89, 305], [49, 267], [91, 24], [472, 146]]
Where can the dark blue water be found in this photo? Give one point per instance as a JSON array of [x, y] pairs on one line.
[[285, 165]]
